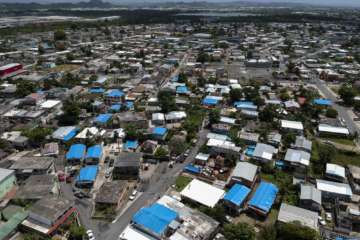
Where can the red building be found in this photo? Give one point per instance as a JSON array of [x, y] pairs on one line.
[[9, 69]]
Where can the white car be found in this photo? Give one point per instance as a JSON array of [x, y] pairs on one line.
[[133, 195], [90, 234]]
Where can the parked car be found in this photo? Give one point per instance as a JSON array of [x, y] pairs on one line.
[[133, 195]]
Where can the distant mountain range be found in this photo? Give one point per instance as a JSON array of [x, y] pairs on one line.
[[340, 3]]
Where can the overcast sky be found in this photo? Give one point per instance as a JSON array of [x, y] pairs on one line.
[[345, 3]]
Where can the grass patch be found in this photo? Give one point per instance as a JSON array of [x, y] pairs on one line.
[[343, 141], [346, 158], [182, 182]]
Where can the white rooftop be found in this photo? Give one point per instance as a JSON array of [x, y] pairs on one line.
[[330, 129], [292, 125], [202, 193], [335, 169], [131, 233], [333, 187], [50, 104]]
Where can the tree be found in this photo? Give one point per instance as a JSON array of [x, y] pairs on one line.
[[217, 213], [235, 94], [77, 232], [70, 80], [214, 116], [37, 135], [71, 113], [24, 88], [177, 145], [201, 81], [182, 77], [41, 49], [133, 133], [296, 230], [166, 101], [284, 95], [268, 113], [347, 94], [331, 113], [70, 56], [289, 138], [268, 233], [203, 57], [239, 231], [59, 35], [161, 152]]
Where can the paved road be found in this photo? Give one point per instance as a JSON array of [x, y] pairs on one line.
[[158, 186], [343, 111]]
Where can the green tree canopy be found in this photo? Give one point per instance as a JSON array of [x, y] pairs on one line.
[[167, 101], [239, 231], [59, 35], [331, 113], [347, 94], [296, 231], [214, 116], [235, 94], [71, 113]]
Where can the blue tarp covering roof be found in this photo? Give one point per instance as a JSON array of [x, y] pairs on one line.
[[159, 131], [245, 105], [115, 93], [96, 90], [94, 152], [210, 101], [103, 118], [322, 102], [250, 150], [87, 174], [115, 107], [192, 169], [129, 104], [182, 89], [264, 196], [131, 144], [76, 151], [155, 218], [237, 194], [70, 135]]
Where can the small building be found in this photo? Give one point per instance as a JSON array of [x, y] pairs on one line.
[[158, 118], [310, 198], [328, 130], [76, 154], [249, 137], [159, 133], [26, 166], [131, 145], [87, 176], [154, 220], [297, 158], [330, 191], [235, 198], [301, 143], [292, 126], [94, 154], [112, 195], [263, 198], [175, 116], [7, 181], [244, 173], [264, 153], [335, 172], [203, 193], [131, 232], [138, 119], [354, 178], [289, 213], [47, 215], [103, 119], [37, 187], [127, 166]]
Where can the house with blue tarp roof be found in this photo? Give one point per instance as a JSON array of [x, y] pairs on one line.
[[115, 108], [87, 176], [76, 153], [245, 105], [129, 105], [103, 118], [209, 101], [65, 133], [182, 90], [322, 102], [131, 145], [263, 199], [155, 219], [192, 169], [114, 95], [235, 197], [96, 90], [94, 154], [159, 133]]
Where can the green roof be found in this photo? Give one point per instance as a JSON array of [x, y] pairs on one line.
[[12, 224]]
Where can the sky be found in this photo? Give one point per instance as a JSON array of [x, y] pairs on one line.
[[345, 3]]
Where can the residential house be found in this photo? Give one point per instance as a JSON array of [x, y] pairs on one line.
[[127, 166]]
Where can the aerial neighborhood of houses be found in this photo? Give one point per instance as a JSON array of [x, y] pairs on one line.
[[180, 132]]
